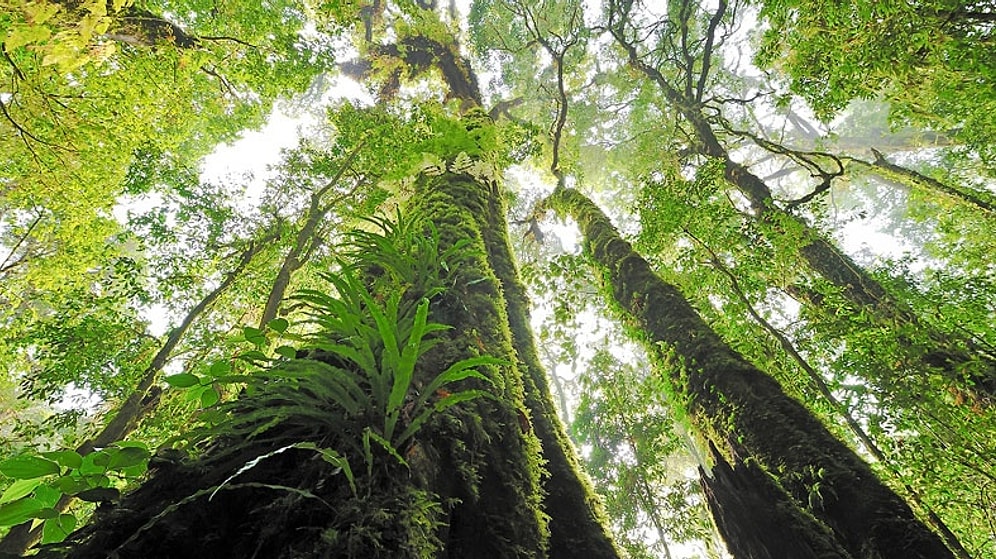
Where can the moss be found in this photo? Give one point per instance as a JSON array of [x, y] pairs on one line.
[[578, 524], [499, 513], [746, 411]]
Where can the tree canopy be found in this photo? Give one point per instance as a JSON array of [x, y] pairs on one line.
[[774, 337]]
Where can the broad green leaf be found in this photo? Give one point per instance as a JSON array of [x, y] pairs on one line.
[[71, 484], [65, 458], [278, 325], [95, 463], [254, 336], [19, 511], [47, 512], [409, 356], [219, 368], [28, 467], [18, 489], [255, 357], [182, 380], [127, 457], [286, 351], [209, 397], [56, 529], [47, 495], [460, 370]]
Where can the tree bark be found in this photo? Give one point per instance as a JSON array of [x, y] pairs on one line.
[[946, 355], [836, 502], [480, 461], [578, 526]]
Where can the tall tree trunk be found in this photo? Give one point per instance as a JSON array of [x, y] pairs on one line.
[[577, 524], [577, 521], [947, 354], [837, 501], [480, 465]]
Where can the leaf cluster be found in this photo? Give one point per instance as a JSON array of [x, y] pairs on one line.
[[352, 382]]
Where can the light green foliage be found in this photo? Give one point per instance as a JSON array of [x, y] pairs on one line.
[[359, 369], [67, 36], [931, 59], [638, 461], [39, 481], [69, 139]]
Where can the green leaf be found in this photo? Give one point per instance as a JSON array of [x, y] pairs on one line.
[[47, 495], [443, 404], [21, 35], [254, 336], [28, 467], [47, 512], [71, 484], [286, 351], [209, 397], [127, 457], [406, 368], [39, 12], [278, 325], [219, 368], [19, 511], [18, 489], [255, 357], [182, 380], [370, 435], [57, 529], [94, 463], [460, 370], [333, 458], [65, 458]]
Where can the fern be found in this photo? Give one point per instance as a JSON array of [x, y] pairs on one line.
[[356, 383]]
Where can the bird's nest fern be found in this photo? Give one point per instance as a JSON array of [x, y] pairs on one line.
[[352, 385]]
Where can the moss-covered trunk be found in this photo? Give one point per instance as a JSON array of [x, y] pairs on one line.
[[491, 313], [490, 477], [956, 357], [943, 352], [834, 499]]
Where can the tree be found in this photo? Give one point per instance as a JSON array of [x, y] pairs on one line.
[[356, 364], [926, 58], [740, 408]]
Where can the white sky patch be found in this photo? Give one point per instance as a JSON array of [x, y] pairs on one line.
[[252, 157]]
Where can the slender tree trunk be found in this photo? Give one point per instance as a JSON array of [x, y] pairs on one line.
[[838, 507], [307, 239]]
